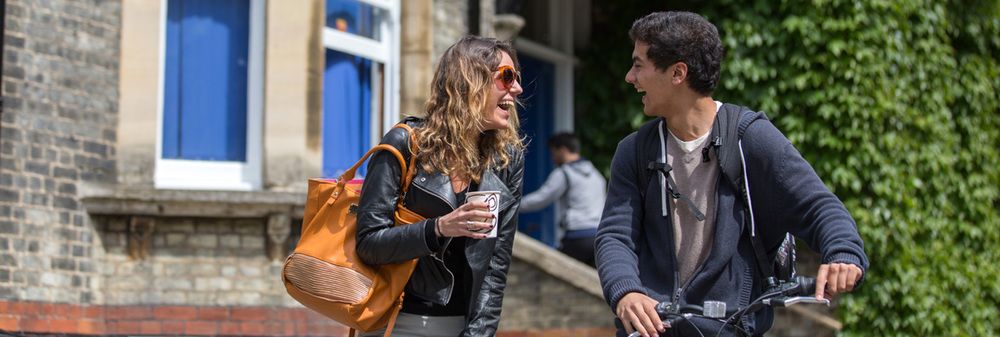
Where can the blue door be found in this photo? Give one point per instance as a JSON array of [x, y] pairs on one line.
[[537, 122]]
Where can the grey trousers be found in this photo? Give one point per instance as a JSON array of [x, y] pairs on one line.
[[410, 325]]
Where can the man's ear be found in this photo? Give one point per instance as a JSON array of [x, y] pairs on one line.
[[678, 72]]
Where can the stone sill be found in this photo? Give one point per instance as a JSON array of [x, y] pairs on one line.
[[191, 203]]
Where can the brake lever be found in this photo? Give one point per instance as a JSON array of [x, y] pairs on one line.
[[789, 301]]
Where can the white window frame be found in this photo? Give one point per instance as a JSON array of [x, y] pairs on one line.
[[384, 53], [219, 175], [561, 55]]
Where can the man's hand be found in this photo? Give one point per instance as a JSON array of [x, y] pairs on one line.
[[836, 278], [638, 313]]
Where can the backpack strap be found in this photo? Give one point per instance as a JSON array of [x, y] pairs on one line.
[[648, 165], [643, 155], [731, 124]]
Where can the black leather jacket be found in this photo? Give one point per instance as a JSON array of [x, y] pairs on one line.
[[430, 195]]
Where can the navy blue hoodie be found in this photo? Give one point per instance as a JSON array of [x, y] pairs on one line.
[[634, 245]]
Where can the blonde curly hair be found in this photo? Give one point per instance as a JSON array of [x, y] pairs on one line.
[[454, 115]]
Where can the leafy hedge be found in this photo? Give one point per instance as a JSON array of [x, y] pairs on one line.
[[895, 103]]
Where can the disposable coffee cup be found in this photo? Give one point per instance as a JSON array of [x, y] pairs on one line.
[[492, 200]]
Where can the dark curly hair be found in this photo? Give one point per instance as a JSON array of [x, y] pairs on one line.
[[682, 37], [565, 140]]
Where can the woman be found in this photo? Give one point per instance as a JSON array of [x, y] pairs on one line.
[[467, 141]]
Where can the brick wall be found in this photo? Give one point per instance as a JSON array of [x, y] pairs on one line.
[[59, 120], [61, 319]]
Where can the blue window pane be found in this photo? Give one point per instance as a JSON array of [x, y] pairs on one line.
[[354, 17], [347, 98], [205, 89]]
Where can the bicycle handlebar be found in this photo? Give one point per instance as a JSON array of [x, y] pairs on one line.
[[778, 294]]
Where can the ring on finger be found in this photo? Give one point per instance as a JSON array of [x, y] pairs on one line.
[[469, 225]]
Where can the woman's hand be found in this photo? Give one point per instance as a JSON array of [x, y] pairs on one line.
[[473, 219]]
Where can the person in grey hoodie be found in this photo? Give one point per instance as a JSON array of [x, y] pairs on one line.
[[578, 189]]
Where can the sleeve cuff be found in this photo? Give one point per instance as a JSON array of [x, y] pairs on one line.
[[849, 259], [430, 237], [616, 291]]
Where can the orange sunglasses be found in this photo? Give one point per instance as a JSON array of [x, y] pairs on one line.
[[505, 80]]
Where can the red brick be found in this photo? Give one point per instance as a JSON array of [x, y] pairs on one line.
[[516, 333], [325, 329], [63, 325], [123, 327], [63, 311], [301, 329], [292, 315], [33, 325], [204, 328], [252, 328], [25, 309], [4, 306], [229, 328], [93, 311], [46, 309], [90, 327], [127, 313], [548, 332], [175, 312], [598, 332], [9, 323], [150, 328], [172, 327], [312, 316], [213, 313], [340, 330], [250, 314]]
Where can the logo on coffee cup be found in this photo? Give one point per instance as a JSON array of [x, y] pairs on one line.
[[492, 202]]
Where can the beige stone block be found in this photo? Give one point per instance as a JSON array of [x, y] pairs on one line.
[[251, 271], [228, 271], [178, 298], [175, 239], [229, 240], [212, 284], [202, 269], [204, 240], [253, 241], [53, 279], [171, 283]]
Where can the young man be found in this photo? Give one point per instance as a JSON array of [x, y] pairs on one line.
[[578, 188], [674, 227]]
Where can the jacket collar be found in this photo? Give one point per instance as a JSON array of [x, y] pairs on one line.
[[439, 186]]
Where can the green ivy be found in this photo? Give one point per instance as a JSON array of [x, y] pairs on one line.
[[894, 103]]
